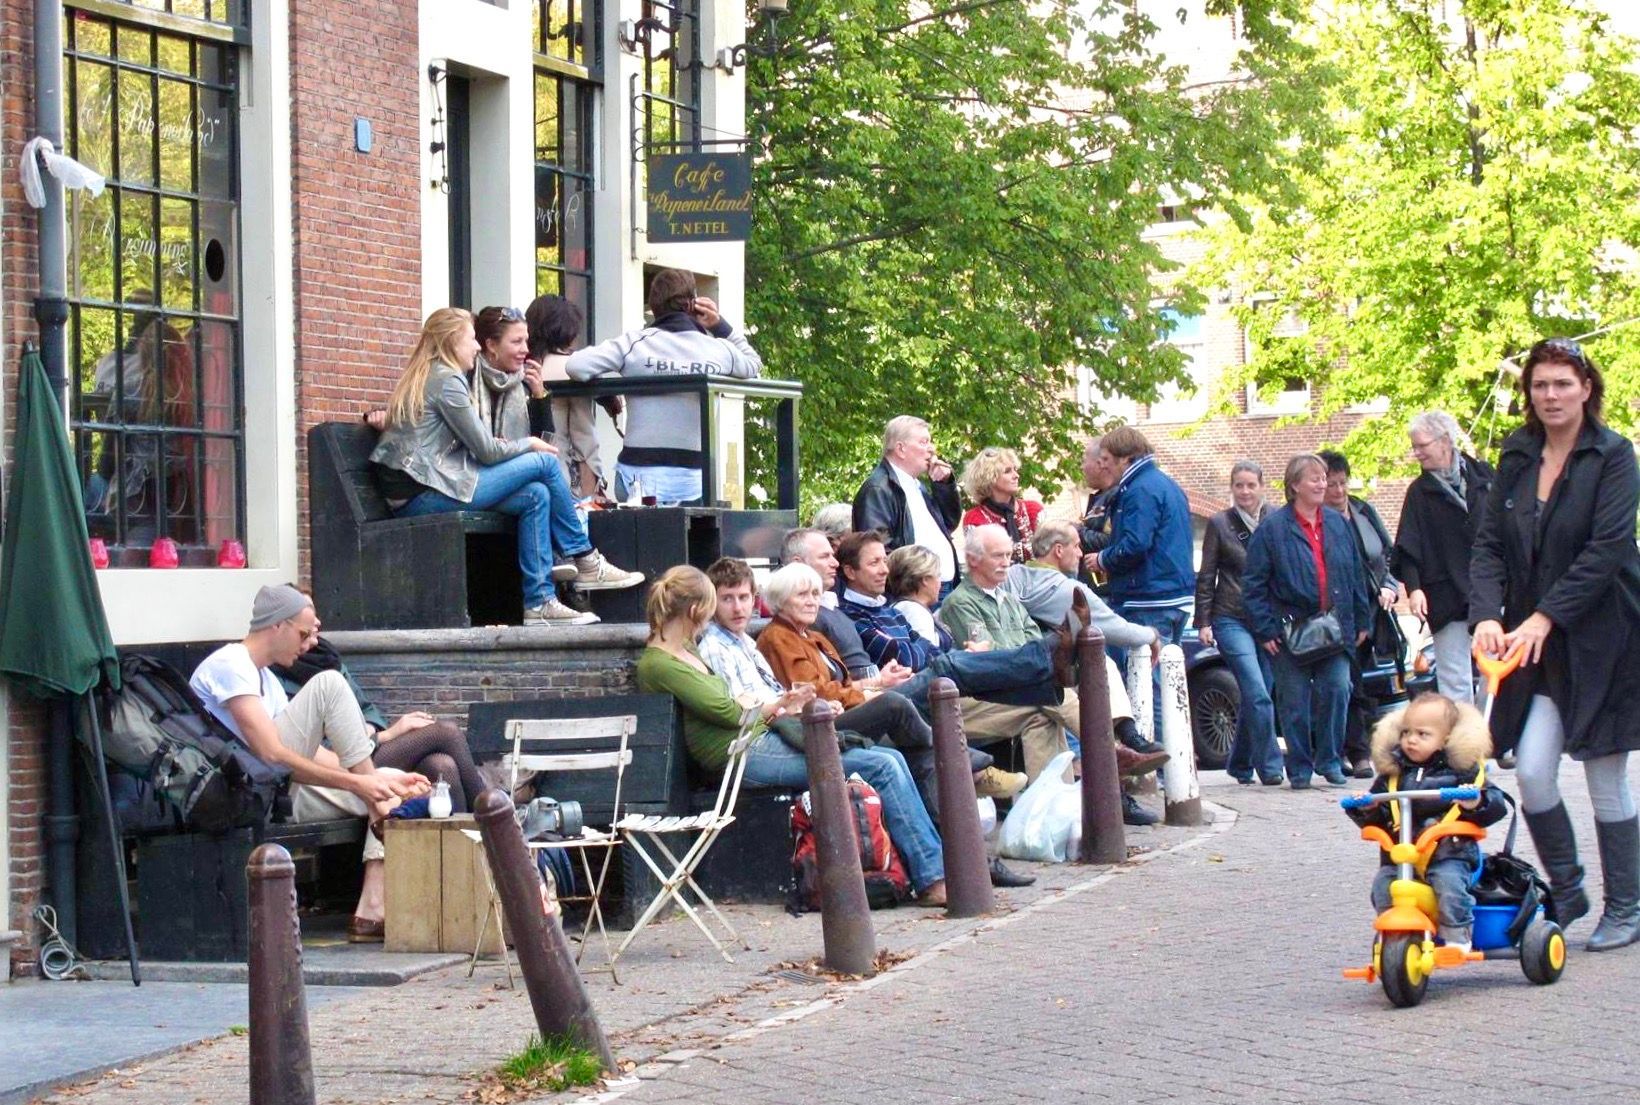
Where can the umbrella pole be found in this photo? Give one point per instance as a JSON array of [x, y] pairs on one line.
[[99, 773]]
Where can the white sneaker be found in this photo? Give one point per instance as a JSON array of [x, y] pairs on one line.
[[553, 612], [594, 573]]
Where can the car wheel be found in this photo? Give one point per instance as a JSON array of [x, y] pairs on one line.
[[1215, 703]]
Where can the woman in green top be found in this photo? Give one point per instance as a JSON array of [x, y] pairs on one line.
[[680, 604]]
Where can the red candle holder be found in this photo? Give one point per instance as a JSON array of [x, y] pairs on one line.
[[163, 554], [231, 554], [99, 552]]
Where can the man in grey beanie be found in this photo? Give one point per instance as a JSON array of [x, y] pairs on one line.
[[337, 781]]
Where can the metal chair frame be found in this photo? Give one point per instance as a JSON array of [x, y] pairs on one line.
[[561, 732], [708, 825]]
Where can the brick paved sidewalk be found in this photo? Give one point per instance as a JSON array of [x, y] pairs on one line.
[[431, 1038]]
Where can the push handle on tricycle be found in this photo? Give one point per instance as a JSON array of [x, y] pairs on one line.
[[1497, 669], [1443, 794]]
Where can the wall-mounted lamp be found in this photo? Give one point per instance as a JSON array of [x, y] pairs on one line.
[[766, 33]]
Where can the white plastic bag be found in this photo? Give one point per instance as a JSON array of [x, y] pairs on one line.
[[1038, 828], [987, 816]]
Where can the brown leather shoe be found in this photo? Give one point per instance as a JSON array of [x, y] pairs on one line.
[[1129, 762], [363, 931]]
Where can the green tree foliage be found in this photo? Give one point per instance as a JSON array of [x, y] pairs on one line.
[[952, 201], [1483, 191]]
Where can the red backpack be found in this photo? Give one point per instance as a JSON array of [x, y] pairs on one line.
[[886, 882]]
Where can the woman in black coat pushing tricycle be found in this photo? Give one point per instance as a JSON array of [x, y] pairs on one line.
[[1555, 560]]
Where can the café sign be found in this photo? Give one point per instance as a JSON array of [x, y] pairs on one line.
[[700, 197]]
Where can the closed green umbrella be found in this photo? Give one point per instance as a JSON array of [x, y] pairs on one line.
[[54, 640], [54, 635]]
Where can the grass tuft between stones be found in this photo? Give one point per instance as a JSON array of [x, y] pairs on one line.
[[554, 1063]]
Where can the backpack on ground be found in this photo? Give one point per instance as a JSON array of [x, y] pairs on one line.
[[156, 729], [886, 882]]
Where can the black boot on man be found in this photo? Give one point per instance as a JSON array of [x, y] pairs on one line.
[[1127, 731], [1620, 871], [1556, 846], [1135, 814]]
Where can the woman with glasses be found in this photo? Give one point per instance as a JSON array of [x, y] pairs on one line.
[[1556, 577], [441, 451], [1442, 511]]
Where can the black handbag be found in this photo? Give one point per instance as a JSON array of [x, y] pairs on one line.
[[1313, 639]]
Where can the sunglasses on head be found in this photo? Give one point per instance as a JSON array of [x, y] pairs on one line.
[[1566, 347], [506, 314]]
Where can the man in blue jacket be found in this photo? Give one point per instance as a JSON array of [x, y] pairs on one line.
[[1148, 559]]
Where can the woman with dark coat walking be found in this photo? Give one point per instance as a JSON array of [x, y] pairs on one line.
[[1302, 562], [1439, 519], [1555, 560]]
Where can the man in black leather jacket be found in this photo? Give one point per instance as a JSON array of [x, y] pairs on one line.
[[884, 501]]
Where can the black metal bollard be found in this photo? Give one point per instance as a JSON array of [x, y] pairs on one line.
[[967, 872], [845, 917], [557, 994], [1104, 840], [281, 1066]]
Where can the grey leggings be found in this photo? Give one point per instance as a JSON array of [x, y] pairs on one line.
[[1537, 767]]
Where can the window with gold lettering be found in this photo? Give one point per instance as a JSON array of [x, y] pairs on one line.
[[566, 84], [154, 338]]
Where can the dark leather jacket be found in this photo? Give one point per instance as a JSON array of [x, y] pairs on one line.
[[1224, 558], [880, 505]]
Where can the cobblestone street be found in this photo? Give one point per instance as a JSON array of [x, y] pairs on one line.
[[1206, 972]]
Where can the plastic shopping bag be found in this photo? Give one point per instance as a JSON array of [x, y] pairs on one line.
[[1038, 828]]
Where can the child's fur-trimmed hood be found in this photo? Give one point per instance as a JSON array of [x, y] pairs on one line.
[[1467, 746]]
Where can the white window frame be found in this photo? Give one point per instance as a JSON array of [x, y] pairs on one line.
[[149, 606], [1287, 401], [1173, 404]]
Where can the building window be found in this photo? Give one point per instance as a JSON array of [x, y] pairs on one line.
[[1176, 402], [1293, 395], [154, 330], [671, 74], [565, 90]]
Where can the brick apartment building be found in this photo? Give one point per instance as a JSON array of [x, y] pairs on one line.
[[292, 186]]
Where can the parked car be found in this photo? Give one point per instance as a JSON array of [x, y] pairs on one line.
[[1215, 699]]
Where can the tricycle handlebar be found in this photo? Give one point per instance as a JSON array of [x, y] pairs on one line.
[[1443, 794]]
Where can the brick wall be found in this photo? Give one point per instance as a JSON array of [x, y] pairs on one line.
[[443, 670], [356, 217]]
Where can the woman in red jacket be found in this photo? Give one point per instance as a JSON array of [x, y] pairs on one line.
[[991, 481]]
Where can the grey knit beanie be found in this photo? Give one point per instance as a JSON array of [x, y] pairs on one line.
[[275, 604]]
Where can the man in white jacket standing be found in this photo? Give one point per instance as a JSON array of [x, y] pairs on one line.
[[663, 449]]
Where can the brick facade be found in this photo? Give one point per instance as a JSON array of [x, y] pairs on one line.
[[356, 226]]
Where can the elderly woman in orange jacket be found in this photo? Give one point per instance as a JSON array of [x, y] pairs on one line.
[[800, 654]]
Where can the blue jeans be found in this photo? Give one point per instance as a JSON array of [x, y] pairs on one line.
[[1313, 704], [771, 762], [1020, 676], [1255, 747], [531, 487], [1449, 877], [1169, 623]]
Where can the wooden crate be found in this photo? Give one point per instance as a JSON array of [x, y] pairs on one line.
[[436, 891]]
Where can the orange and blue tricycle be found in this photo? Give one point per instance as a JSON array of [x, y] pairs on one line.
[[1406, 951]]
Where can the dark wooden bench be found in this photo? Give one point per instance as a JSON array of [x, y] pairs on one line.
[[374, 571]]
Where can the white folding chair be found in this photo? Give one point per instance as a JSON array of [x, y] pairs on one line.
[[557, 745], [637, 829]]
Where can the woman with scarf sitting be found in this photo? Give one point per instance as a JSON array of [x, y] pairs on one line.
[[991, 482]]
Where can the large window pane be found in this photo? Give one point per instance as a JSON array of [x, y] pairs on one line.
[[154, 285], [564, 160]]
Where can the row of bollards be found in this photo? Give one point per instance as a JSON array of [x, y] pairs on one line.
[[281, 1060], [281, 1065]]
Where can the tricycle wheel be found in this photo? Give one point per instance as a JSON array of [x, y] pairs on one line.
[[1543, 951], [1402, 969]]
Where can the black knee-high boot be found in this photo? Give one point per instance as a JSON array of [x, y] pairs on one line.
[[1620, 872], [1557, 847]]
